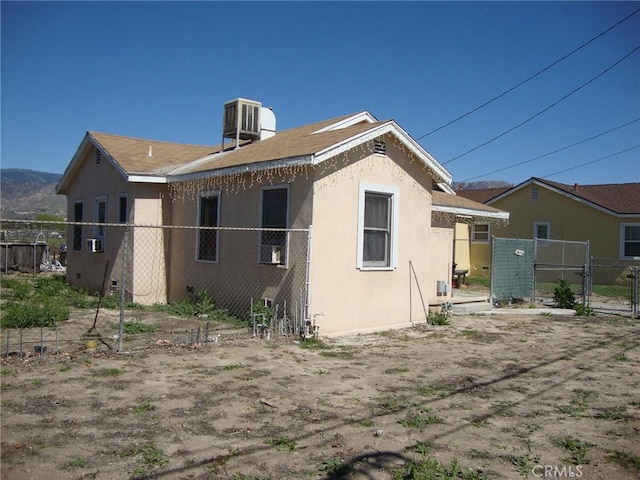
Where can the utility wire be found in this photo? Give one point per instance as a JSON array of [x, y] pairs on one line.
[[552, 152], [592, 161], [529, 78], [544, 109]]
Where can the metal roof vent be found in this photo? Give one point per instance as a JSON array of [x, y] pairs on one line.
[[380, 147]]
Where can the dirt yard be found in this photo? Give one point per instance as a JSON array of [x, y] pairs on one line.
[[501, 396]]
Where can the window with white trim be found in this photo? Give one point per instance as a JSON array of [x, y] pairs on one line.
[[123, 212], [542, 231], [78, 208], [100, 216], [377, 227], [274, 214], [208, 216], [630, 241], [480, 232]]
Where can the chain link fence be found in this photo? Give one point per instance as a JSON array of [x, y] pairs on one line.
[[622, 283], [256, 276], [529, 270]]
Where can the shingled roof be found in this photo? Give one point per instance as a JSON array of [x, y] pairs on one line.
[[151, 160], [618, 198], [458, 205]]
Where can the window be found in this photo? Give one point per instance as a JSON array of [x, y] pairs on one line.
[[542, 231], [208, 216], [377, 227], [274, 214], [630, 240], [100, 216], [480, 232], [123, 214], [77, 229]]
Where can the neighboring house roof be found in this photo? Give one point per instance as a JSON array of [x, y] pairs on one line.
[[481, 195], [464, 207], [161, 162], [615, 198]]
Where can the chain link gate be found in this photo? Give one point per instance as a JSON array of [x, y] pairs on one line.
[[529, 269], [623, 283]]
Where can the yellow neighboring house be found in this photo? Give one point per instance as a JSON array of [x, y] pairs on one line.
[[381, 209], [607, 216]]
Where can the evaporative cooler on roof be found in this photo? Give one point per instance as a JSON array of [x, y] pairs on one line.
[[242, 119]]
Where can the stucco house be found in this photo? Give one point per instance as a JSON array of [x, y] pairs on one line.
[[606, 215], [378, 211]]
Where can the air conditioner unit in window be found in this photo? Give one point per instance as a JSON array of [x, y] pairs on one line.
[[94, 245], [271, 254]]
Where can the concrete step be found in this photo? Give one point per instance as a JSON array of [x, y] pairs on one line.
[[470, 307]]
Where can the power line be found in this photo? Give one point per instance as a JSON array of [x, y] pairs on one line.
[[552, 152], [592, 161], [544, 109], [529, 78]]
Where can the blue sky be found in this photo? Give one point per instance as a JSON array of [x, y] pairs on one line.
[[163, 70]]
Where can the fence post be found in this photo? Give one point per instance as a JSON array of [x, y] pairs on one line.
[[307, 285], [635, 299], [123, 289]]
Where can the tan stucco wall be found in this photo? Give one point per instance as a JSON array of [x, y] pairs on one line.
[[347, 299], [145, 282], [84, 269], [569, 220], [237, 277]]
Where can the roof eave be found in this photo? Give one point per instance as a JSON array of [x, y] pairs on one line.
[[564, 193], [441, 174], [239, 169], [468, 212]]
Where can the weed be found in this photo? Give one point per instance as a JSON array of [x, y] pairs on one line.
[[282, 442], [392, 371], [5, 371], [505, 408], [577, 450], [438, 318], [36, 382], [367, 422], [343, 352], [479, 422], [151, 457], [429, 468], [612, 413], [144, 407], [234, 366], [78, 462], [524, 463], [623, 357], [107, 372], [579, 403], [418, 420], [66, 368], [563, 297], [630, 461], [392, 404], [44, 313], [131, 328], [335, 468], [583, 310], [313, 344]]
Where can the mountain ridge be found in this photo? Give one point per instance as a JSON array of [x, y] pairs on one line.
[[25, 193]]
